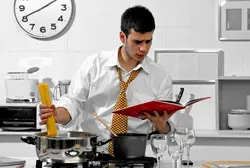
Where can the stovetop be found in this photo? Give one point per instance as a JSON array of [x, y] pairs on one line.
[[104, 161]]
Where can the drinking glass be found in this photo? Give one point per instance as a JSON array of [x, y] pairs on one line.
[[175, 149], [189, 143], [181, 134], [159, 145]]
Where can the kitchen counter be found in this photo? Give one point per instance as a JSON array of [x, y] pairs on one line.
[[199, 133], [17, 133], [222, 133]]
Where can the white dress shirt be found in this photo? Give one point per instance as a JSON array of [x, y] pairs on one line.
[[95, 88]]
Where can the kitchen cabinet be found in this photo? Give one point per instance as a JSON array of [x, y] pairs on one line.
[[197, 71], [190, 65], [232, 93], [203, 113]]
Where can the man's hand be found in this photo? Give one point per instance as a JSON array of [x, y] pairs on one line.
[[45, 112], [61, 114], [159, 122]]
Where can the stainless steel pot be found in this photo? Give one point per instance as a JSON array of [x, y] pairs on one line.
[[66, 147], [78, 147]]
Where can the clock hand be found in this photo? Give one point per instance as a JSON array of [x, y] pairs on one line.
[[41, 8]]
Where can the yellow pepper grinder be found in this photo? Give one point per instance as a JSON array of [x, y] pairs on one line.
[[45, 97]]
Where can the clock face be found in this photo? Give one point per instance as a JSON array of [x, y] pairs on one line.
[[43, 18]]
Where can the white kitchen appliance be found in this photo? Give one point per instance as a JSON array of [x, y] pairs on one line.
[[62, 86], [21, 89]]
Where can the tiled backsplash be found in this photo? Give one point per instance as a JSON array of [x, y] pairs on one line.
[[189, 24]]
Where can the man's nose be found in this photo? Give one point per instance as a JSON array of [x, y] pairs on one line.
[[143, 47]]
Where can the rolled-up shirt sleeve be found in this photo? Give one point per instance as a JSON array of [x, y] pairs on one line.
[[77, 94], [165, 92]]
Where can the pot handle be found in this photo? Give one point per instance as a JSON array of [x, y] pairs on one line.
[[29, 140], [152, 133], [102, 142]]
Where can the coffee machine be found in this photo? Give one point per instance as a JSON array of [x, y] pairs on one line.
[[61, 89]]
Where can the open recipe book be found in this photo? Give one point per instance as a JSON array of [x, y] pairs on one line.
[[160, 106]]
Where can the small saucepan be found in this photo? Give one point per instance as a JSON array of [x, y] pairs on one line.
[[129, 145]]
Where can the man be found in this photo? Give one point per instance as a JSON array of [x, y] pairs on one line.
[[96, 87]]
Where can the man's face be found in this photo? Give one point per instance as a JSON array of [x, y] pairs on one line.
[[137, 45]]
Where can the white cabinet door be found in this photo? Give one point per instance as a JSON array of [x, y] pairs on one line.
[[191, 64], [203, 113]]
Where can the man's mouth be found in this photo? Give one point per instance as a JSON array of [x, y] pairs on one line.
[[140, 55]]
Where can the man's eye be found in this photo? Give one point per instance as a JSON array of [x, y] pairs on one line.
[[138, 42], [148, 41]]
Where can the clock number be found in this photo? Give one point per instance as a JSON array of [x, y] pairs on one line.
[[25, 19], [60, 18], [32, 26], [64, 7], [21, 8], [42, 29], [53, 26]]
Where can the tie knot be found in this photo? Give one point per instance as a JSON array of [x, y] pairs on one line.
[[132, 76], [123, 84]]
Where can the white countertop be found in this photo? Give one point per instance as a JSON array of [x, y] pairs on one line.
[[16, 133], [223, 133], [199, 133]]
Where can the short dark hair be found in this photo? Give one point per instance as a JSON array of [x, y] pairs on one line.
[[138, 18]]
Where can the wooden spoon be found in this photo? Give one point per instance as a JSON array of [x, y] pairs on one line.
[[112, 132]]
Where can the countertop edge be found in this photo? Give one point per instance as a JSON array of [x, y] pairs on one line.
[[199, 133], [222, 133]]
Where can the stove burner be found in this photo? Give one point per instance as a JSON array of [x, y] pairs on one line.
[[146, 162], [104, 160]]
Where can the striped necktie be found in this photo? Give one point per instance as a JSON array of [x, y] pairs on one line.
[[120, 122]]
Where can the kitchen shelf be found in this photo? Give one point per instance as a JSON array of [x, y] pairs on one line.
[[192, 82], [239, 134], [234, 78], [231, 94]]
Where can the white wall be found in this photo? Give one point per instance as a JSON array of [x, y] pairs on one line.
[[181, 24], [189, 24]]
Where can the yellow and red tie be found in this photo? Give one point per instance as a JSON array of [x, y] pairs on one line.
[[120, 122]]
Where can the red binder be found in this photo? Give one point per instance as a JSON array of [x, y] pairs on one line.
[[156, 105]]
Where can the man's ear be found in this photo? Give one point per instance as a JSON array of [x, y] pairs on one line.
[[122, 37]]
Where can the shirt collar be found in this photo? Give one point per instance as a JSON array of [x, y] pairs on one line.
[[113, 61]]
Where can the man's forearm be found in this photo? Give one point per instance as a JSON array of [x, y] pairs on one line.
[[166, 129], [62, 116]]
